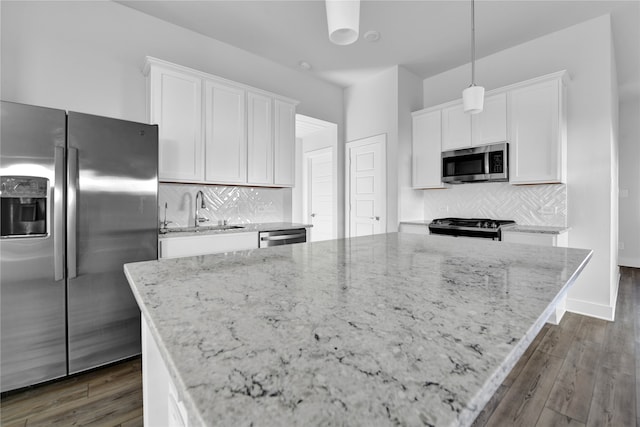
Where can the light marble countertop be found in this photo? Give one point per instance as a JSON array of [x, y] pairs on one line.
[[539, 229], [417, 222], [392, 329], [205, 229]]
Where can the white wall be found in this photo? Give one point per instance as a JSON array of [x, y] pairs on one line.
[[410, 201], [88, 57], [371, 108], [629, 137], [584, 50], [382, 105]]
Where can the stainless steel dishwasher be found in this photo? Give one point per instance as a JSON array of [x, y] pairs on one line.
[[282, 237]]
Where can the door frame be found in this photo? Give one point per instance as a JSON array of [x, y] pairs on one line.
[[306, 186], [375, 139]]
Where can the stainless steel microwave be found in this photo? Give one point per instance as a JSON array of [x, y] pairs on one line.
[[477, 164]]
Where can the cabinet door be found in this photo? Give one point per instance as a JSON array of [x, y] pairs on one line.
[[259, 139], [285, 139], [490, 126], [176, 106], [535, 134], [537, 239], [456, 128], [426, 145], [225, 133]]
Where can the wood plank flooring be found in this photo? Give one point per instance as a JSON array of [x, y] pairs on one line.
[[110, 396], [583, 372]]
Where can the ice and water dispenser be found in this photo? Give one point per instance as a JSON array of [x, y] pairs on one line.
[[23, 206]]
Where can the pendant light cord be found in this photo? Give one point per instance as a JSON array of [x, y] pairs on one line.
[[473, 43]]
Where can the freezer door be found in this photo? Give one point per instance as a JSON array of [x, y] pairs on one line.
[[112, 220], [32, 286]]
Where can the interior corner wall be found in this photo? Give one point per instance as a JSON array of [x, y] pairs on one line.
[[629, 173], [410, 201], [584, 50], [371, 108], [614, 177]]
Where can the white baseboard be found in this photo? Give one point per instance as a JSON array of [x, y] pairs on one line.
[[587, 308]]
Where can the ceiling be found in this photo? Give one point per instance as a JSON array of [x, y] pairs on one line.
[[425, 36]]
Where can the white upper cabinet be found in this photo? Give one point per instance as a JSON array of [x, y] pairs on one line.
[[259, 139], [456, 128], [490, 126], [225, 134], [426, 161], [537, 133], [216, 131], [285, 140], [463, 130], [175, 101], [530, 116]]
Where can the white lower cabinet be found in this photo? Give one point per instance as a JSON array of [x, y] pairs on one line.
[[542, 239], [175, 247], [162, 404], [538, 239], [414, 228]]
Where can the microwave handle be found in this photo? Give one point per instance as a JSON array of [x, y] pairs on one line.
[[487, 163]]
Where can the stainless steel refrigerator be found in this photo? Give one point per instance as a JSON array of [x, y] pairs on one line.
[[78, 200]]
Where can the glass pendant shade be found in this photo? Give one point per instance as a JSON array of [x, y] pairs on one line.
[[473, 99], [343, 19]]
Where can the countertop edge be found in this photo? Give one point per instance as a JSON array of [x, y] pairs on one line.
[[248, 228], [489, 388], [181, 388]]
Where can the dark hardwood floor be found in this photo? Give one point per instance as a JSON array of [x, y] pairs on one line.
[[110, 396], [583, 372]]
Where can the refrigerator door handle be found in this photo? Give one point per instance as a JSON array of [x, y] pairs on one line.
[[72, 203], [58, 214]]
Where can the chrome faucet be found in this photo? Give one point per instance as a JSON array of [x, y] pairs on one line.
[[202, 205]]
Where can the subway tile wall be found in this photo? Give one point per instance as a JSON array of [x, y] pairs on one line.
[[526, 204], [238, 205]]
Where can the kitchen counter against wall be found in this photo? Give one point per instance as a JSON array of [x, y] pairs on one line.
[[204, 230], [538, 229], [387, 329]]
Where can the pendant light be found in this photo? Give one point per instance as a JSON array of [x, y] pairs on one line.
[[473, 96], [343, 19]]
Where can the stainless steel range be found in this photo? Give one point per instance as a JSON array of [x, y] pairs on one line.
[[470, 227]]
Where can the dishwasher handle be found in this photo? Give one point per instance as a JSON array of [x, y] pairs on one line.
[[282, 237]]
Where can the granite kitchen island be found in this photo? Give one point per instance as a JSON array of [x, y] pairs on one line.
[[392, 329]]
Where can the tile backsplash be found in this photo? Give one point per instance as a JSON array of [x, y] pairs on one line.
[[526, 204], [238, 205]]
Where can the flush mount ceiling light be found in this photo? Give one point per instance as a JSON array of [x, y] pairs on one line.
[[304, 65], [343, 19], [372, 36], [473, 96]]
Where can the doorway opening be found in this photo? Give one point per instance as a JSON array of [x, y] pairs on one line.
[[315, 195]]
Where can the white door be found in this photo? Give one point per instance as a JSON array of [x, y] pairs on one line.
[[318, 197], [366, 163]]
